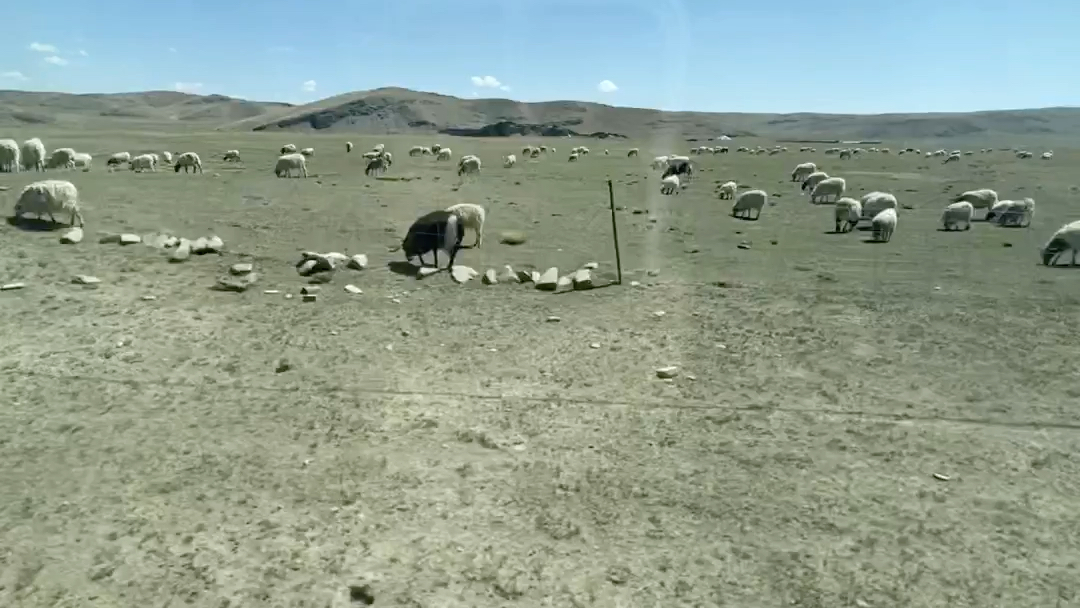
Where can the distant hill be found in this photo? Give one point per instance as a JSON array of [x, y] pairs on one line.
[[394, 110], [104, 110]]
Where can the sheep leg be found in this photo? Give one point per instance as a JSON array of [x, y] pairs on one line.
[[53, 218]]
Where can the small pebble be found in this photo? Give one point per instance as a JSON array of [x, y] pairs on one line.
[[272, 291], [148, 298], [940, 477], [659, 314], [553, 319], [11, 286], [594, 345], [309, 297], [667, 372]]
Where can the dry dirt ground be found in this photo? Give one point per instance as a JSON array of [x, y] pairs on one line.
[[440, 445]]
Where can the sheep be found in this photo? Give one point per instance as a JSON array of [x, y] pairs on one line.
[[83, 161], [432, 232], [157, 159], [607, 152], [728, 190], [847, 214], [470, 216], [812, 180], [832, 186], [62, 158], [376, 166], [845, 153], [288, 149], [509, 161], [33, 154], [48, 197], [535, 153], [1014, 213], [659, 162], [802, 171], [528, 150], [142, 162], [1067, 238], [1047, 155], [186, 160], [1023, 154], [10, 156], [379, 148], [372, 155], [573, 157], [751, 200], [632, 153], [954, 156], [875, 202], [231, 156], [167, 156], [983, 198], [436, 148], [957, 213], [287, 163], [679, 165], [442, 154], [425, 151], [469, 164], [309, 152], [669, 184], [348, 147], [416, 151], [884, 224]]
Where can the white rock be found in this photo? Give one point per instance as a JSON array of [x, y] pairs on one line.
[[583, 279], [182, 251], [490, 278], [85, 279], [336, 259], [11, 286], [310, 289], [130, 239], [426, 271], [591, 266], [462, 274], [353, 289], [358, 262], [72, 236], [241, 268], [667, 372], [525, 276], [509, 276], [565, 281], [549, 280], [553, 319]]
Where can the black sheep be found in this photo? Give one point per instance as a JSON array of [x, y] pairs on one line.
[[432, 232], [682, 168]]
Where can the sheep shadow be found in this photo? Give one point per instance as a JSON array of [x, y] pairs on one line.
[[951, 230], [35, 224], [405, 269], [873, 241]]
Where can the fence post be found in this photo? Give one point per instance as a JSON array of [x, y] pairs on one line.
[[614, 230]]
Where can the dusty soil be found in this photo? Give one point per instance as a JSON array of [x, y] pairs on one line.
[[438, 445]]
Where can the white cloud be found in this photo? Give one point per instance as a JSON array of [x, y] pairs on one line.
[[13, 75], [188, 87], [488, 82], [53, 59], [309, 86], [43, 48], [83, 53], [606, 86]]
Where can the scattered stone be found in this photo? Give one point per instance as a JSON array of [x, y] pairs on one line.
[[288, 296], [512, 237], [358, 262], [75, 235], [653, 273], [940, 477], [525, 276], [553, 319], [667, 372], [129, 239], [490, 277], [635, 283], [744, 245], [214, 244], [336, 259], [659, 314], [241, 268], [305, 268], [462, 274], [310, 289], [282, 365], [234, 283], [182, 252], [426, 271], [591, 266], [534, 276], [199, 244], [12, 286], [353, 289], [549, 280], [271, 291], [148, 298], [509, 276], [594, 345], [308, 297], [564, 281], [583, 279], [159, 241], [85, 279]]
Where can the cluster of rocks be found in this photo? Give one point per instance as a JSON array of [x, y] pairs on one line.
[[179, 248], [548, 280]]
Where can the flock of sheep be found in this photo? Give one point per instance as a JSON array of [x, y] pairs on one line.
[[444, 229]]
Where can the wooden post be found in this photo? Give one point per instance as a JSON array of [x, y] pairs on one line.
[[614, 230]]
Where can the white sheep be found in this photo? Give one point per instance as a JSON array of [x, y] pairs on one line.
[[884, 224], [442, 154], [573, 157], [470, 216], [468, 165], [372, 155], [633, 152], [33, 154], [728, 190], [812, 180], [875, 202], [1067, 238], [802, 171], [142, 162], [62, 158], [231, 156], [10, 156], [389, 158], [847, 214], [983, 198], [186, 160], [48, 197], [1013, 213], [1047, 155], [831, 186], [379, 148], [288, 149], [416, 151], [660, 162], [955, 156], [751, 200], [509, 161], [157, 159], [670, 185], [166, 156], [435, 149], [845, 153], [528, 150], [287, 163], [83, 161], [309, 151], [957, 213], [348, 147]]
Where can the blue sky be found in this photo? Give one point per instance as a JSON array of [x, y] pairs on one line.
[[861, 56]]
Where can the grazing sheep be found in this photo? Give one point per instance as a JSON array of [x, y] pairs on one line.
[[61, 158], [308, 152], [167, 157], [468, 164], [679, 165], [573, 157], [728, 190], [659, 162], [232, 156], [432, 232], [831, 186], [845, 153], [372, 155], [416, 151], [186, 160], [751, 200], [884, 224], [847, 214], [348, 147], [470, 216], [288, 149], [33, 155], [10, 156], [436, 148], [983, 198], [535, 153], [632, 153], [287, 163], [442, 154], [955, 156], [142, 162], [875, 202], [376, 166], [669, 184], [509, 161], [957, 213], [528, 150], [812, 180], [1047, 155], [48, 197], [1013, 213], [83, 161], [803, 171], [389, 158], [379, 148], [1067, 238]]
